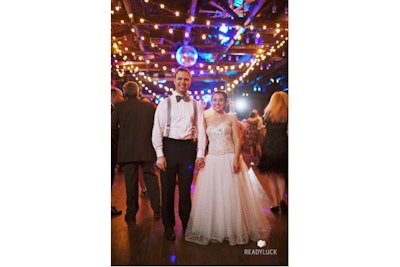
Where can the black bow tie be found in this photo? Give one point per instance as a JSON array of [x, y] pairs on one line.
[[185, 98]]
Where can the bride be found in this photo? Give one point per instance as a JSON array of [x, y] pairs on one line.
[[225, 206]]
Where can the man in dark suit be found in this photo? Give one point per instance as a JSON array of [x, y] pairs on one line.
[[116, 97], [131, 127]]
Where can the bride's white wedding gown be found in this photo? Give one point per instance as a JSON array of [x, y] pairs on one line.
[[225, 206]]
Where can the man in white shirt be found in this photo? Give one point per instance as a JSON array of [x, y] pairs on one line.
[[179, 139]]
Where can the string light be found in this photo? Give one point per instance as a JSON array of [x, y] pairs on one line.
[[263, 54]]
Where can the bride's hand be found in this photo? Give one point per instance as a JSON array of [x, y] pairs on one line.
[[199, 163], [236, 166]]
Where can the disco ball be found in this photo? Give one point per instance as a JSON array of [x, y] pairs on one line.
[[186, 55]]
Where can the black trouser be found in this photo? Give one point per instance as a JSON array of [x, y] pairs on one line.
[[131, 183], [180, 156]]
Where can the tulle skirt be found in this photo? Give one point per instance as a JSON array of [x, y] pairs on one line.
[[225, 205]]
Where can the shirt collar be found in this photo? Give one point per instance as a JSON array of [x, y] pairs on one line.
[[175, 93]]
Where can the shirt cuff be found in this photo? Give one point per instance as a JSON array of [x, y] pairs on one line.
[[160, 153], [200, 153]]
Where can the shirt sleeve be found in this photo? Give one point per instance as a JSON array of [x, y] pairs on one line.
[[158, 128]]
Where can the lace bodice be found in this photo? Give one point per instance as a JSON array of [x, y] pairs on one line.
[[220, 139]]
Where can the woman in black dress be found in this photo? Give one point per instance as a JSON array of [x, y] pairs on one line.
[[274, 158]]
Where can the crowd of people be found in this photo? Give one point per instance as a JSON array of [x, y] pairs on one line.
[[177, 136]]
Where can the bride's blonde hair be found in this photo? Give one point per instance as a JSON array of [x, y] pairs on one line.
[[277, 108]]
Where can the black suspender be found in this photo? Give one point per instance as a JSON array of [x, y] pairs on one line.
[[169, 118]]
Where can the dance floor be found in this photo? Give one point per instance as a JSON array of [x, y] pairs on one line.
[[144, 244]]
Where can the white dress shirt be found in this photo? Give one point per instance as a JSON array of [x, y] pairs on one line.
[[182, 115]]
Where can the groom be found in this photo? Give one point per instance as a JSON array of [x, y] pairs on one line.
[[179, 139]]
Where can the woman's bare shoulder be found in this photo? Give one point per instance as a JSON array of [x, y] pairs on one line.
[[231, 116]]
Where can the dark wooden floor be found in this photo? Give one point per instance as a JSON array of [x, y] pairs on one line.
[[144, 244]]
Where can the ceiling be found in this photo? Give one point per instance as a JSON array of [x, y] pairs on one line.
[[242, 45]]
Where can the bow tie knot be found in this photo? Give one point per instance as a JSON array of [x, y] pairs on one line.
[[185, 98]]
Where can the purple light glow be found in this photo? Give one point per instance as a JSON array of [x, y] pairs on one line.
[[266, 210], [172, 258]]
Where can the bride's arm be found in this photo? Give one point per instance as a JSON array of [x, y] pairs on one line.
[[236, 142]]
